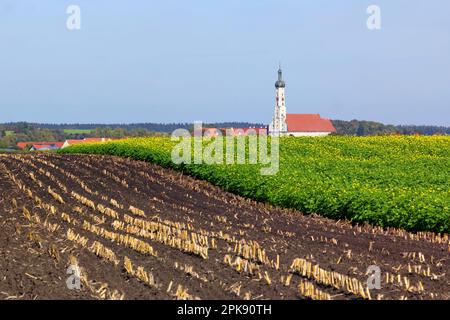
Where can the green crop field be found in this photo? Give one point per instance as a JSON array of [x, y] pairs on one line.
[[77, 131], [397, 181]]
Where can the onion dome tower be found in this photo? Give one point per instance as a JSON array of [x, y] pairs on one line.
[[278, 125]]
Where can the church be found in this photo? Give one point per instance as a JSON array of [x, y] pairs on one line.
[[296, 125]]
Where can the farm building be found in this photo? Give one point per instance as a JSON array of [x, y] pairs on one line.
[[43, 147], [29, 144], [55, 145], [68, 143], [297, 125]]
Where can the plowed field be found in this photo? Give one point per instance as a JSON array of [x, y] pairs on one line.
[[138, 231]]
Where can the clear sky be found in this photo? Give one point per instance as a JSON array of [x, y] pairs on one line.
[[186, 60]]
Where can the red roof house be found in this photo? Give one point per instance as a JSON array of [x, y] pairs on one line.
[[43, 147], [248, 131], [235, 132], [23, 145]]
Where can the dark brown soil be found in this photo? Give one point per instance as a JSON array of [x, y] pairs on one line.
[[29, 269]]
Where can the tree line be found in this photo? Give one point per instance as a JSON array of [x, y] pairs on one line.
[[370, 128], [152, 127], [11, 133]]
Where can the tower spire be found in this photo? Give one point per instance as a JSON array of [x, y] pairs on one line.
[[280, 72], [280, 83]]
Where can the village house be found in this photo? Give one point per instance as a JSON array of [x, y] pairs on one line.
[[55, 145], [72, 142], [37, 144], [43, 147], [235, 132]]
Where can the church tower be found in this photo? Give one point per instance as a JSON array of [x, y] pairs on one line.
[[278, 125]]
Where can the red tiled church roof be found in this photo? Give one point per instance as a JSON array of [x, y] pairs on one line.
[[308, 123]]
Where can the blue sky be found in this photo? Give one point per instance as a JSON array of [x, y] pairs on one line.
[[186, 60]]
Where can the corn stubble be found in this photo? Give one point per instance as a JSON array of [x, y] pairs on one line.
[[118, 232]]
